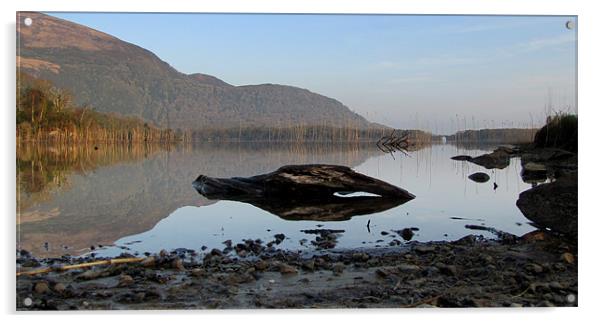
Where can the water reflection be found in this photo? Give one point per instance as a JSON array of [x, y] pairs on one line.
[[72, 197], [141, 197]]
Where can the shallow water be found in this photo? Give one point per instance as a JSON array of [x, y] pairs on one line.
[[140, 199]]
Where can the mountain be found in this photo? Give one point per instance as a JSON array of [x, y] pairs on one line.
[[111, 75]]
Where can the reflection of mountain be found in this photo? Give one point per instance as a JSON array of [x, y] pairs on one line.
[[122, 199]]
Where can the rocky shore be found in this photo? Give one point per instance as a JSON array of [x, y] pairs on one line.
[[538, 269]]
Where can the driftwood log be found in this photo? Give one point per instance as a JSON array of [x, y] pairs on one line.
[[307, 192]]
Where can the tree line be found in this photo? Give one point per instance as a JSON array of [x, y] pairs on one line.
[[48, 113]]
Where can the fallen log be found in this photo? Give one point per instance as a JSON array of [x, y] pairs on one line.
[[304, 192]]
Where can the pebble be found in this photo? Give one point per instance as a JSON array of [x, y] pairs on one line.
[[197, 272], [516, 305], [41, 288], [535, 268], [178, 264], [422, 249], [125, 280], [360, 256], [338, 268], [568, 258], [408, 268], [309, 265], [261, 265], [287, 269], [148, 262], [59, 288]]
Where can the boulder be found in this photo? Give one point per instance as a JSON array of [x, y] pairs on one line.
[[552, 205]]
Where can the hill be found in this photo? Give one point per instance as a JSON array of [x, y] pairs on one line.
[[113, 76]]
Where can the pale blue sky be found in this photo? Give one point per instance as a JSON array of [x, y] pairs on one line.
[[429, 72]]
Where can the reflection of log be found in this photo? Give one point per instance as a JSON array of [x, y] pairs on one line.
[[307, 192], [329, 209]]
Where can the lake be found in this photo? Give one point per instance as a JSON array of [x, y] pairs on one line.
[[139, 198]]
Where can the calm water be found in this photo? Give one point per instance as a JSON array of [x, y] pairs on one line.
[[141, 198]]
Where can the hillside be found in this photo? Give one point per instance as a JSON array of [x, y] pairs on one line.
[[111, 75]]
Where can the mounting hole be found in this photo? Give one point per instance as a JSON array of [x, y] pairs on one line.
[[27, 21]]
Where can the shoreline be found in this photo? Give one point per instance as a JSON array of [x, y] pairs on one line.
[[538, 269]]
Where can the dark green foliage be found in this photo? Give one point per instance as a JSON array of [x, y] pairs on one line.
[[560, 131]]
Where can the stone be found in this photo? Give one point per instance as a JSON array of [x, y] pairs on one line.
[[422, 249], [568, 258], [479, 177], [287, 269], [338, 268], [408, 268], [407, 233], [125, 280], [308, 265], [552, 205], [534, 268], [261, 265], [59, 288], [148, 262], [178, 264], [41, 288]]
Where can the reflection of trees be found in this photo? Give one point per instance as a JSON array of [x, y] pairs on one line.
[[121, 190], [42, 168]]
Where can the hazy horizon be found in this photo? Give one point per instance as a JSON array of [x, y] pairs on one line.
[[436, 73]]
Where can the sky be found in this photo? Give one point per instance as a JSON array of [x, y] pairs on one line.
[[436, 73]]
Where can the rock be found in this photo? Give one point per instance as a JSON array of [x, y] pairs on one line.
[[568, 258], [360, 256], [178, 264], [338, 268], [382, 273], [408, 268], [534, 268], [449, 270], [197, 272], [41, 288], [422, 249], [59, 288], [261, 265], [279, 237], [308, 265], [499, 159], [384, 233], [148, 262], [516, 305], [406, 234], [89, 274], [125, 280], [479, 177], [552, 205], [287, 269], [163, 253], [556, 285]]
